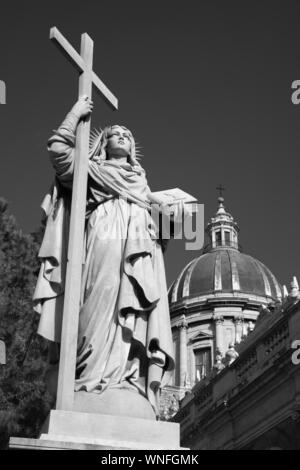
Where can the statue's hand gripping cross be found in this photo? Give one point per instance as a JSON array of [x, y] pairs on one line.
[[84, 64]]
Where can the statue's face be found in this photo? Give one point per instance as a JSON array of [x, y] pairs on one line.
[[118, 141]]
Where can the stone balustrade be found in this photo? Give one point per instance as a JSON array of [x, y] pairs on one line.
[[265, 352]]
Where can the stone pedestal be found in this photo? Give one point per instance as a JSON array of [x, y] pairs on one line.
[[119, 401], [78, 430], [118, 419]]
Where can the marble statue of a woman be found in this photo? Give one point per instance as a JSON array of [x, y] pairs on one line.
[[124, 337]]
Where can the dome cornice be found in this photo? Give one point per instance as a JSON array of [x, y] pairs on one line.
[[224, 275]]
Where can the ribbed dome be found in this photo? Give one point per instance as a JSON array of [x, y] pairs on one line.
[[222, 268], [225, 270]]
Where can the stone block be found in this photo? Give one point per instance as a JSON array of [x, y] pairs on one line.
[[116, 401], [72, 428]]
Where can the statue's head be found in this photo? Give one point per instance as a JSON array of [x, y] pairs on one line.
[[114, 140]]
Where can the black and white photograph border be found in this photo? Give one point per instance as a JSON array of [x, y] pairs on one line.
[[149, 296]]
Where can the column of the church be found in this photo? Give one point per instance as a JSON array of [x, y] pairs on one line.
[[213, 238], [182, 326], [219, 333], [222, 236], [192, 367], [238, 321]]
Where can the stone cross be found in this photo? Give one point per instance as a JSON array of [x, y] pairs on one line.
[[83, 62], [220, 189]]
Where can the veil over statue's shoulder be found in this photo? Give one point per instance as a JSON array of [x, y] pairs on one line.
[[48, 294], [126, 180]]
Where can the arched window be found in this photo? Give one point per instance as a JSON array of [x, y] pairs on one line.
[[218, 238], [227, 237], [202, 363]]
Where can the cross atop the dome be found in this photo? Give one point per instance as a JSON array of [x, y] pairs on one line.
[[220, 188]]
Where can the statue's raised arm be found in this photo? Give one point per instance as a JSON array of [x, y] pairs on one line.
[[61, 145]]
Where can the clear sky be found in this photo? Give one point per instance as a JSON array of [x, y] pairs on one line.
[[205, 88]]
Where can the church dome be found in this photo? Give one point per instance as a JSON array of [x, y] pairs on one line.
[[223, 270]]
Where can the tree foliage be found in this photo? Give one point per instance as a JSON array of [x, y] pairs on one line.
[[24, 401]]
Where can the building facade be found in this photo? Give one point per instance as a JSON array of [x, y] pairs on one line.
[[253, 403], [237, 380], [214, 304]]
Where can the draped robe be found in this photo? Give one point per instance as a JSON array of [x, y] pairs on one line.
[[124, 335]]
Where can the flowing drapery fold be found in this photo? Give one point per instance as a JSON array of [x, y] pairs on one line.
[[124, 334]]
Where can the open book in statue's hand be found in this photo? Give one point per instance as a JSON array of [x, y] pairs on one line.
[[173, 197], [175, 207]]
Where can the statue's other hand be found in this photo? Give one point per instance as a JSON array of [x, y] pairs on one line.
[[83, 107], [172, 208], [161, 199]]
